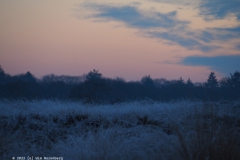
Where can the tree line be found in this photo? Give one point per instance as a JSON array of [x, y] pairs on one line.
[[94, 88]]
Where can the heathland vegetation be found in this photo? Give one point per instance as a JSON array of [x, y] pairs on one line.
[[182, 130]]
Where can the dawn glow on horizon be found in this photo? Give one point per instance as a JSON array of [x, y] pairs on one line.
[[161, 38]]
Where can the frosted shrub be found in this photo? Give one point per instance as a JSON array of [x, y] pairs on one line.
[[134, 130]]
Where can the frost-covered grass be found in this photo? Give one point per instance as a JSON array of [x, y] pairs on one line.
[[134, 130]]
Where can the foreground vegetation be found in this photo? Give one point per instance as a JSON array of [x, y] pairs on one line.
[[133, 130]]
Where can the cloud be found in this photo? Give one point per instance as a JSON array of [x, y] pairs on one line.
[[198, 39], [238, 47], [219, 8], [217, 34], [223, 64], [188, 40], [133, 17], [233, 30], [181, 2], [165, 26]]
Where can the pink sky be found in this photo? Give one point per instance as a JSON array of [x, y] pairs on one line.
[[73, 37]]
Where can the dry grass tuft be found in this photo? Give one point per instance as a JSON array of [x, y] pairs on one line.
[[206, 135]]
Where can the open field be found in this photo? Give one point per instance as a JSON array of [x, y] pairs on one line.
[[134, 130]]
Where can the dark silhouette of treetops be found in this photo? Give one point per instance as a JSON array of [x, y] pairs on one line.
[[94, 88]]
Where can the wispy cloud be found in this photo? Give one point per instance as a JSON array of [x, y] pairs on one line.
[[198, 39], [219, 9], [167, 26], [133, 17], [186, 40], [224, 64], [182, 2], [238, 47], [211, 9], [220, 34]]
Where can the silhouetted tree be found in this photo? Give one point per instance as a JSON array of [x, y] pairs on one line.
[[93, 75], [49, 78], [211, 90], [120, 79], [19, 89], [224, 82], [212, 81], [189, 87], [27, 77], [71, 79], [2, 73], [95, 88], [66, 79], [189, 83], [180, 81], [160, 82], [148, 90], [235, 79], [147, 81]]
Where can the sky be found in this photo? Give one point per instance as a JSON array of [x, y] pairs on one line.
[[121, 38]]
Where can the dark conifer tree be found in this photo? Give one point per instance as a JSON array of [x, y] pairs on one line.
[[189, 83], [93, 75], [181, 81], [212, 81], [2, 73], [147, 81], [235, 79]]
